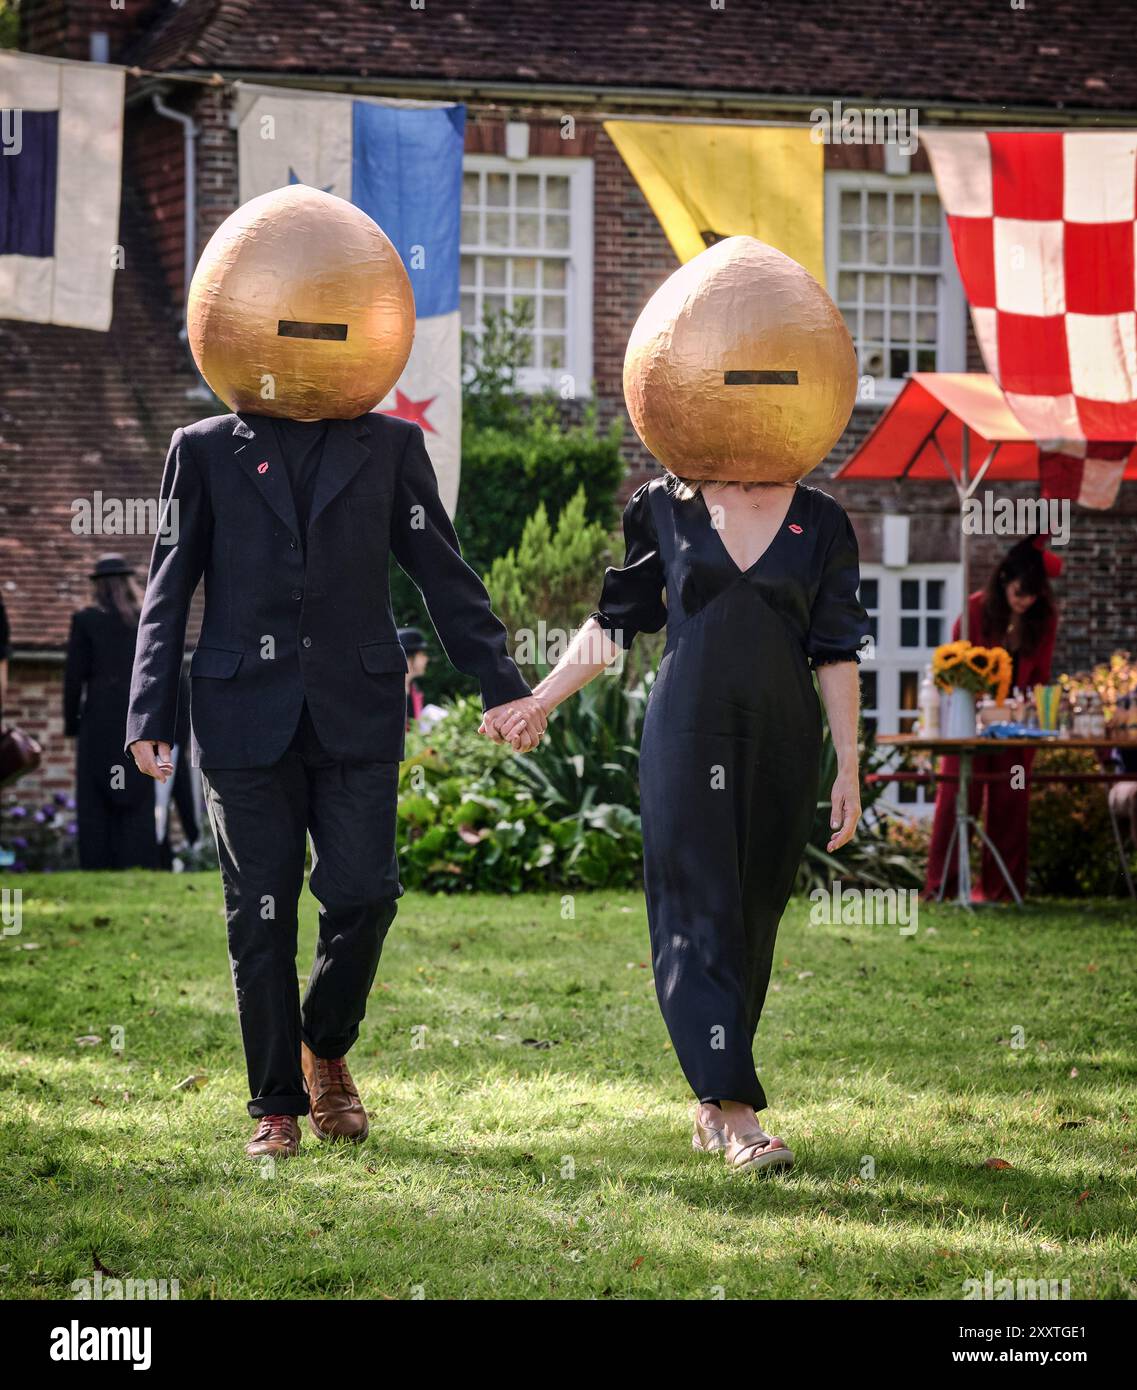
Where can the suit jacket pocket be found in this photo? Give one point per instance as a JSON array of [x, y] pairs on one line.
[[217, 662], [383, 658]]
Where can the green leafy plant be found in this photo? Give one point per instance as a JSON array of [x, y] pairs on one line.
[[550, 582]]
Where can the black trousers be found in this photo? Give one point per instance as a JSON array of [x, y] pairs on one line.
[[261, 819]]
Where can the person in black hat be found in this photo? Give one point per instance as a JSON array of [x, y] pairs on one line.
[[114, 801], [414, 644]]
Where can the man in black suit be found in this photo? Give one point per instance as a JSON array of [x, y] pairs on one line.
[[299, 711], [301, 317]]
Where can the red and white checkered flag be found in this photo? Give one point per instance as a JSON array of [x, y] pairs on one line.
[[1044, 227]]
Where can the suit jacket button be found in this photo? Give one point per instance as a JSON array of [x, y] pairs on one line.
[[292, 545], [296, 594], [307, 641]]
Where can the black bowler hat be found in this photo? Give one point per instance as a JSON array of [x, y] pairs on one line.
[[107, 565], [411, 640]]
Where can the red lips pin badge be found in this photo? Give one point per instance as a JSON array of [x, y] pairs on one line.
[[262, 467], [795, 528]]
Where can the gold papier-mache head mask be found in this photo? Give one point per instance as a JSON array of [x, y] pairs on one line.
[[300, 308], [740, 367]]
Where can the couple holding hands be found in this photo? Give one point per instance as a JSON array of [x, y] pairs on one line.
[[739, 377]]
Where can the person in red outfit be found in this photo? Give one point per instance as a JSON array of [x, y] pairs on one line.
[[1016, 611]]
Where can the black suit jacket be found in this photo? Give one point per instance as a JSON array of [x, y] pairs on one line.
[[279, 629]]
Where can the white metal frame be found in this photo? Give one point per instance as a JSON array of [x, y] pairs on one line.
[[578, 258]]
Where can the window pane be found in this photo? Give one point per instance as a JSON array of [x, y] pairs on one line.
[[909, 689], [902, 209], [552, 351], [497, 190], [899, 362], [497, 229], [556, 191], [874, 289], [878, 248], [878, 209], [556, 232], [468, 273], [903, 248], [471, 183], [909, 593], [553, 274], [868, 689], [850, 206], [909, 632], [851, 246], [493, 271], [847, 286], [900, 288], [934, 593], [528, 189], [552, 312], [935, 629], [524, 272], [471, 233], [528, 229], [870, 589]]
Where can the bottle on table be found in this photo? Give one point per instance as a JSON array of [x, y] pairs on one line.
[[929, 703]]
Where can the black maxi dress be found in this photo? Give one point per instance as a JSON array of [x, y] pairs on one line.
[[730, 756]]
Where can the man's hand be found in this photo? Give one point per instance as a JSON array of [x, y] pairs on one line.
[[520, 723], [153, 759]]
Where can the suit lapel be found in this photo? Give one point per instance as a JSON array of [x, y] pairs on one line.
[[345, 450], [256, 451]]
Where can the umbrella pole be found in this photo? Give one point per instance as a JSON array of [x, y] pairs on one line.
[[963, 787], [964, 566]]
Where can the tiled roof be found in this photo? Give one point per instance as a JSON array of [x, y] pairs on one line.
[[1065, 53]]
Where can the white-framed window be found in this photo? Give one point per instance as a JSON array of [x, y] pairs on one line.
[[893, 275], [911, 611], [527, 235]]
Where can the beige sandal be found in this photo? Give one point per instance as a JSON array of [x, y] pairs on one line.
[[707, 1139], [759, 1153]]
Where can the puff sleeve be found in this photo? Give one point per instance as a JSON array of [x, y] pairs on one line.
[[631, 600], [838, 623]]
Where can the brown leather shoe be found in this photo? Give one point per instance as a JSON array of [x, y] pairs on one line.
[[335, 1110], [276, 1136]]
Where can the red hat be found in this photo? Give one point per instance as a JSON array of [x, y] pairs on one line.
[[1051, 563]]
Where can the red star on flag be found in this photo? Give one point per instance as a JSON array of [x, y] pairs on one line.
[[414, 411]]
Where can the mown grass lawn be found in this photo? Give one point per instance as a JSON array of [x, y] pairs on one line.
[[530, 1128]]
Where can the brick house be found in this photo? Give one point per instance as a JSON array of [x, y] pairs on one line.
[[83, 410]]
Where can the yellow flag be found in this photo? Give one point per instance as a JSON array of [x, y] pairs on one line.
[[706, 182]]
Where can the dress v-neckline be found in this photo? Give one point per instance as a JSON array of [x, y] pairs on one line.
[[785, 521]]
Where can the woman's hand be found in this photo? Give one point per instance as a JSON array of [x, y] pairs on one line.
[[520, 723], [846, 804]]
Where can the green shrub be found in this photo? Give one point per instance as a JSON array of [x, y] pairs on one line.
[[1072, 849], [552, 578]]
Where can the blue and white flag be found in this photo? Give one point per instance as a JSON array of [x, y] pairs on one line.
[[60, 189], [401, 162]]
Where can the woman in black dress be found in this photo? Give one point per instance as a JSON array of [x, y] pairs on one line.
[[114, 801], [757, 583]]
